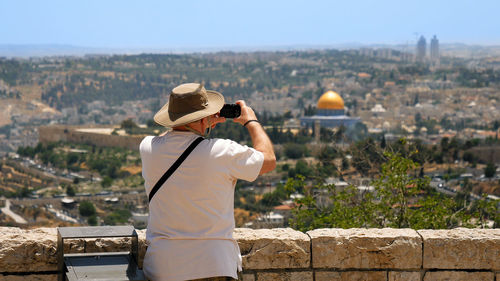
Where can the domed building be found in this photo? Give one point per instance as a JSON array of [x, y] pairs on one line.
[[330, 113]]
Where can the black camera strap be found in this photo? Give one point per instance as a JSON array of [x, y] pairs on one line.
[[174, 167]]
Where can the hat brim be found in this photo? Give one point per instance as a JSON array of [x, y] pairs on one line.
[[166, 119]]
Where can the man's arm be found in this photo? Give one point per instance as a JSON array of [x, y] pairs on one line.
[[260, 140]]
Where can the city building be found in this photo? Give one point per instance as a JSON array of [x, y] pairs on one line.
[[435, 50], [330, 113], [421, 49]]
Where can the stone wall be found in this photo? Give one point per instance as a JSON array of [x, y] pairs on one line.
[[286, 254], [70, 134]]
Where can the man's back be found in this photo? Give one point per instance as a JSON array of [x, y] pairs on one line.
[[196, 203]]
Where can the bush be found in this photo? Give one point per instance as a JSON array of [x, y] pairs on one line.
[[92, 220], [295, 151], [86, 209], [119, 216], [106, 182], [490, 170], [402, 201]]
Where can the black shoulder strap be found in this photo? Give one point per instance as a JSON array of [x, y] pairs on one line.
[[174, 167]]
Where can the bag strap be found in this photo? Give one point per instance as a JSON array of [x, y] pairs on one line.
[[174, 166]]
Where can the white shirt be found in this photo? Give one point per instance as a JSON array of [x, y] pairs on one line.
[[191, 217]]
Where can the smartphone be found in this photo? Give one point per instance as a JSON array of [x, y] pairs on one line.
[[230, 110]]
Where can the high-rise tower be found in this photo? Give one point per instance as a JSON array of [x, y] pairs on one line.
[[435, 50], [421, 49]]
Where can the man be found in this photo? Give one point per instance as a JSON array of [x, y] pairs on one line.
[[191, 217]]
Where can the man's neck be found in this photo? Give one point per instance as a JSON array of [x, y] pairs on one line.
[[186, 128]]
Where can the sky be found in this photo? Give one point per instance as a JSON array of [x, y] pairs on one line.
[[234, 23]]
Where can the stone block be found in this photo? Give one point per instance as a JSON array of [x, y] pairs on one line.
[[458, 276], [351, 276], [143, 246], [28, 250], [404, 276], [35, 250], [284, 276], [31, 277], [461, 248], [366, 248], [100, 245], [248, 277], [273, 248], [74, 246]]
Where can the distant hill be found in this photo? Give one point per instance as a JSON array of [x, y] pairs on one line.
[[26, 51], [47, 50]]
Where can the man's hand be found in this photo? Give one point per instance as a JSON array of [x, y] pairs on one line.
[[246, 113], [260, 140]]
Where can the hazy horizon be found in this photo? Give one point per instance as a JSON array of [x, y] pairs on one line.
[[156, 24]]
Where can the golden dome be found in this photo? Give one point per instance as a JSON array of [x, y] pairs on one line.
[[330, 100]]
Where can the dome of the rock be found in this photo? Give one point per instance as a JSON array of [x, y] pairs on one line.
[[331, 100]]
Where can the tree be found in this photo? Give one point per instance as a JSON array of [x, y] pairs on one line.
[[106, 181], [395, 187], [70, 191], [92, 220], [119, 216], [294, 150], [128, 124], [489, 170], [86, 209], [401, 200]]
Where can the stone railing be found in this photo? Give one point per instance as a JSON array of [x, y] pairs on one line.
[[286, 254]]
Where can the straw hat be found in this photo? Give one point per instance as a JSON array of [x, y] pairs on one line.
[[188, 103]]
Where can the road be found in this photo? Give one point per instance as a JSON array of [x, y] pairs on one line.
[[17, 218], [61, 215]]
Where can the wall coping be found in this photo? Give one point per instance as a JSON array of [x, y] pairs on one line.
[[324, 252]]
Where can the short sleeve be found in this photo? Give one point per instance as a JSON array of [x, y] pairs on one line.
[[242, 162]]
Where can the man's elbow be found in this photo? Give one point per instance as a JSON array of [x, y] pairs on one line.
[[268, 165]]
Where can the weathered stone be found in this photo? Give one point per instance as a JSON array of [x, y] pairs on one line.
[[28, 250], [327, 275], [74, 246], [366, 248], [273, 248], [31, 277], [141, 234], [404, 276], [117, 245], [461, 248], [36, 250], [351, 276], [107, 245], [458, 276], [248, 277], [284, 276]]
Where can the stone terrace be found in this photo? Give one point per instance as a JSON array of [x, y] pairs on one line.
[[286, 254]]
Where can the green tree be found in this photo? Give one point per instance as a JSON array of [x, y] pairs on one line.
[[106, 182], [346, 208], [295, 151], [489, 170], [86, 209], [128, 124], [119, 216], [70, 191], [402, 200], [92, 220], [395, 187]]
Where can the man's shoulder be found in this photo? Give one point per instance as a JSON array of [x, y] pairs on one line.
[[227, 145], [223, 142], [147, 139], [145, 143]]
